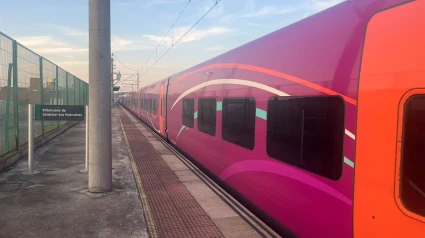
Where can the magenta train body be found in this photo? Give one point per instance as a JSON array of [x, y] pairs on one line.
[[316, 57]]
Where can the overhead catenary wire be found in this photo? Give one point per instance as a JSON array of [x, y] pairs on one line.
[[120, 81], [156, 48], [172, 44], [217, 1], [166, 34], [127, 87], [123, 64]]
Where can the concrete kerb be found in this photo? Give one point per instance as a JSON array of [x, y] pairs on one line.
[[14, 156]]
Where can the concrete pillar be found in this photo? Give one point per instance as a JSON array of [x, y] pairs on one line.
[[100, 134]]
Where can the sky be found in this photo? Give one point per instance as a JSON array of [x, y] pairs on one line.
[[58, 30]]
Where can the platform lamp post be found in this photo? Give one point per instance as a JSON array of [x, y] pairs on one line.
[[100, 132]]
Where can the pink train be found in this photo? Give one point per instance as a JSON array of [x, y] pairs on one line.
[[274, 121]]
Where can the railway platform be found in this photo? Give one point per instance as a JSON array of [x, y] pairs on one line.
[[156, 192]]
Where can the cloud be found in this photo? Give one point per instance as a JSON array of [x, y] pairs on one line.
[[70, 57], [48, 45], [69, 31], [143, 4], [215, 48], [60, 50], [74, 32], [161, 2], [118, 42], [30, 41], [122, 44], [324, 4], [72, 62], [193, 35], [259, 25], [269, 10], [217, 11]]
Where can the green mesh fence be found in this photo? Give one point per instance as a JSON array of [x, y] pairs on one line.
[[62, 96], [71, 90], [7, 137], [28, 78], [28, 74]]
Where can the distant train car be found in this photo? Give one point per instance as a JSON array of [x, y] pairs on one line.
[[318, 128], [152, 106]]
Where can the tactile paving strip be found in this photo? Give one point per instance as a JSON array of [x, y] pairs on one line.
[[175, 212]]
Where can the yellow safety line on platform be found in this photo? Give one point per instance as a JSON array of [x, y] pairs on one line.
[[148, 215]]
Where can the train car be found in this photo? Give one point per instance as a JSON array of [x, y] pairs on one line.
[[132, 102], [152, 106], [317, 127]]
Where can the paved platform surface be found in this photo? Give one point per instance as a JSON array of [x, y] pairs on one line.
[[164, 198], [56, 203], [177, 202]]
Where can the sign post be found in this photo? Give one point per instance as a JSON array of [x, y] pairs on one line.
[[53, 113], [30, 136], [87, 142]]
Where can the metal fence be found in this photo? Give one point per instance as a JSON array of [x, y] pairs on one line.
[[26, 77]]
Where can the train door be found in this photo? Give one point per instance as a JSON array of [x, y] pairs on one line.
[[162, 97], [389, 185]]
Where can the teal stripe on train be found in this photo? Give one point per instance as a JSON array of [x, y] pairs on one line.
[[348, 162], [219, 106], [261, 114]]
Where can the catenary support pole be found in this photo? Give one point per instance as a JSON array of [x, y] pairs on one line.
[[30, 137], [100, 136], [137, 81], [112, 81]]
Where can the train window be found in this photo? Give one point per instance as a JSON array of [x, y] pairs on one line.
[[150, 105], [307, 132], [412, 184], [206, 115], [141, 103], [154, 106], [239, 121], [188, 109], [146, 104]]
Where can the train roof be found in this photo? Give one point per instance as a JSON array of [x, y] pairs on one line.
[[328, 39]]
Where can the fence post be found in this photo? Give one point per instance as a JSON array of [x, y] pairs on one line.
[[15, 92], [67, 88], [75, 83], [6, 125], [41, 91], [30, 136], [67, 99], [57, 89]]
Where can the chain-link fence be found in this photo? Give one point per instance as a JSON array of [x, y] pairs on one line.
[[26, 77]]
